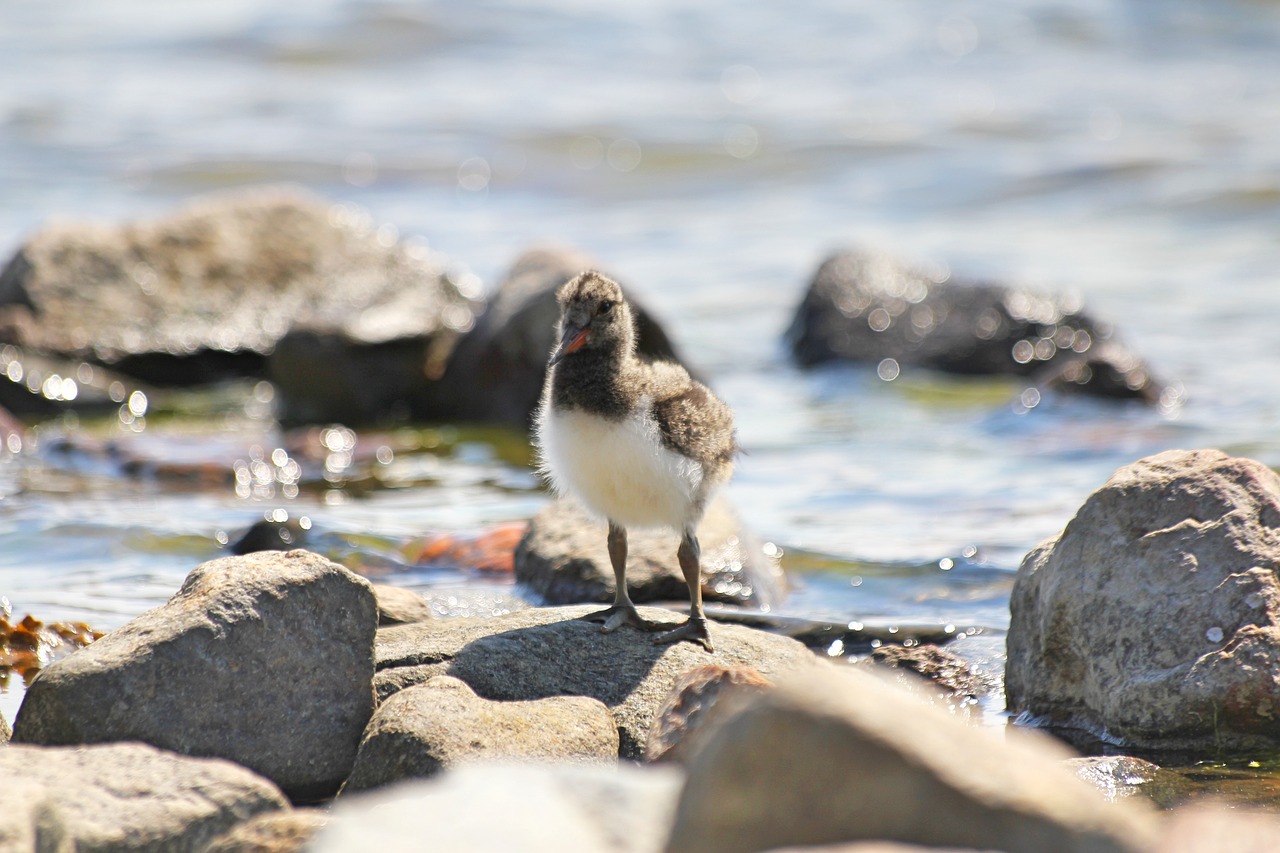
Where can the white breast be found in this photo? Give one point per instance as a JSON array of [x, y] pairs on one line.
[[618, 469]]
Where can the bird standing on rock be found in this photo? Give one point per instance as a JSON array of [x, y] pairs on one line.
[[640, 443]]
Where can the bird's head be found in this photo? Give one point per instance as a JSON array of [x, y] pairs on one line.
[[594, 317]]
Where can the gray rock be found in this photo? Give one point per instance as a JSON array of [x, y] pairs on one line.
[[285, 831], [425, 729], [698, 700], [1149, 618], [837, 755], [1120, 776], [946, 670], [531, 808], [549, 651], [397, 605], [1213, 828], [496, 371], [225, 277], [564, 557], [265, 660], [867, 306], [122, 797]]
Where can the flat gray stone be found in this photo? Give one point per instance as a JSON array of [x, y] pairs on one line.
[[1149, 618], [264, 659], [424, 729], [284, 831], [839, 755], [549, 651], [123, 797], [564, 557], [397, 605], [530, 808]]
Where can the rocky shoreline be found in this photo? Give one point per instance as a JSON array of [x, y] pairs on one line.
[[280, 701], [270, 698]]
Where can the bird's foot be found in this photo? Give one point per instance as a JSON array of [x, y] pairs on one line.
[[618, 615], [694, 630]]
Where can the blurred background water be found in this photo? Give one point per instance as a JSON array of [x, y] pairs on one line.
[[711, 155]]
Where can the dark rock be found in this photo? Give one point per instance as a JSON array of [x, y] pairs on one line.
[[285, 831], [549, 651], [496, 371], [867, 306], [837, 755], [564, 557], [37, 386], [945, 670], [266, 660], [1149, 618], [425, 729], [699, 698], [837, 638], [5, 731], [269, 534], [530, 808], [122, 797], [398, 606]]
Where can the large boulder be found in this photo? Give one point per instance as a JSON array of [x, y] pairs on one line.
[[352, 319], [1153, 619], [430, 727], [838, 755], [866, 306], [122, 797], [497, 808], [550, 651], [496, 371], [265, 660], [564, 557]]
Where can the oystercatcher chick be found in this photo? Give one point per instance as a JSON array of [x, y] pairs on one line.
[[639, 443]]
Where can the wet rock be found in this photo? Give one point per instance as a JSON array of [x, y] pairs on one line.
[[838, 755], [232, 280], [266, 660], [564, 557], [1120, 776], [270, 534], [838, 638], [549, 651], [285, 831], [868, 306], [497, 369], [490, 551], [698, 699], [942, 668], [532, 808], [1149, 618], [425, 729], [398, 606], [122, 797]]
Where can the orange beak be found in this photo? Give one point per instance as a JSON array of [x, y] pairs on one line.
[[572, 341]]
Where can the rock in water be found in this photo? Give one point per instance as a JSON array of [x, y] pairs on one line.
[[550, 651], [265, 660], [496, 371], [123, 797], [1153, 619], [838, 755], [564, 558], [425, 729], [233, 279], [868, 307]]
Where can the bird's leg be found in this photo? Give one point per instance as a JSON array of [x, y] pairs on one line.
[[623, 612], [695, 629]]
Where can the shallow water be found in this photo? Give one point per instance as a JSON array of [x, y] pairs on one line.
[[711, 156]]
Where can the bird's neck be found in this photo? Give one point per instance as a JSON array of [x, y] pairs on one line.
[[591, 380]]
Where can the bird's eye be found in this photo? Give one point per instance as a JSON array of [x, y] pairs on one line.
[[606, 306]]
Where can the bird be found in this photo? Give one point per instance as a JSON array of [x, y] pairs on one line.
[[639, 443]]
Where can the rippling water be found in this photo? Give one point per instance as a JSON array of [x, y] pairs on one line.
[[710, 155]]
